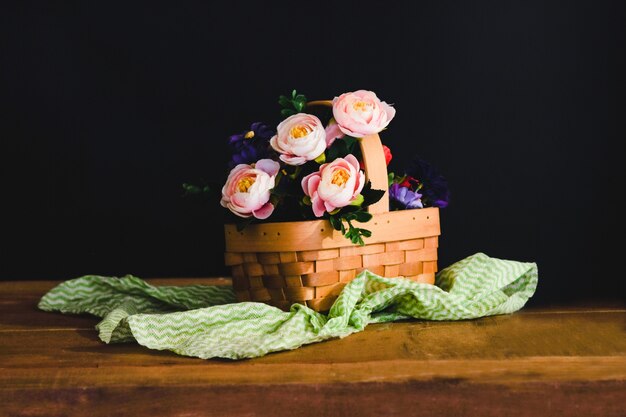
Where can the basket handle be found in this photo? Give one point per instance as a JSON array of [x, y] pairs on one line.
[[373, 164]]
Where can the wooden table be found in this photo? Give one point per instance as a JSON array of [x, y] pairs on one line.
[[556, 362]]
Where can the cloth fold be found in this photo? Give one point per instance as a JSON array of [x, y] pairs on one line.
[[207, 322]]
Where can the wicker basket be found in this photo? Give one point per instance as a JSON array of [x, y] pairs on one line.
[[309, 262]]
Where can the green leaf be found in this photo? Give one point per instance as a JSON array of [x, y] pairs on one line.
[[335, 222], [198, 191], [349, 142], [338, 149], [293, 105], [363, 216], [358, 201], [191, 189], [284, 101], [296, 172], [370, 195], [321, 159], [349, 216], [354, 234], [279, 176], [274, 198], [287, 112]]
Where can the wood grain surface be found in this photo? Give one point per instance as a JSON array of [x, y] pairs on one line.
[[560, 361]]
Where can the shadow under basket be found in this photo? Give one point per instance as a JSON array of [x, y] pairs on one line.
[[309, 262]]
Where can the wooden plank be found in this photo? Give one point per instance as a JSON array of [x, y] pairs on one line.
[[490, 338], [435, 398], [509, 373]]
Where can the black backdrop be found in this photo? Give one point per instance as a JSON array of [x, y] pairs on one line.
[[108, 108]]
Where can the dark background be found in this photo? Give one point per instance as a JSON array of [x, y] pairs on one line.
[[108, 108]]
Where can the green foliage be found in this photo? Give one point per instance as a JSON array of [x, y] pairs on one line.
[[340, 148], [343, 219], [191, 189], [201, 193], [292, 105], [371, 196], [355, 234]]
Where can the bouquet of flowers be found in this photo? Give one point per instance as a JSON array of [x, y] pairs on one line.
[[310, 167]]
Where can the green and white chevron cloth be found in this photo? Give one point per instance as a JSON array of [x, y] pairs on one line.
[[207, 322]]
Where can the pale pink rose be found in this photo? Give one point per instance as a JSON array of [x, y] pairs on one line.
[[332, 132], [247, 189], [299, 138], [335, 185], [361, 113]]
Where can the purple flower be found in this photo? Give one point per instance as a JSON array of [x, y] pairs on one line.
[[434, 187], [404, 197], [251, 145]]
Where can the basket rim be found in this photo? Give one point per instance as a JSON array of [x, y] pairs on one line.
[[318, 234]]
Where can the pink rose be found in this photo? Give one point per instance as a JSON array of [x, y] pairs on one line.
[[335, 185], [247, 189], [299, 138], [361, 113]]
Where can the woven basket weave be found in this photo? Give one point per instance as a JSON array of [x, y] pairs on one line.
[[309, 262]]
